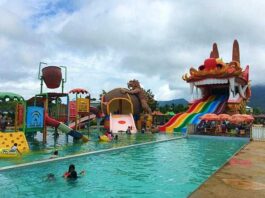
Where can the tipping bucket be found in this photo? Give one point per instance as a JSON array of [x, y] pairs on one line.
[[52, 76]]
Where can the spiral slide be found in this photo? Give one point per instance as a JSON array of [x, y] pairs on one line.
[[192, 116], [64, 128]]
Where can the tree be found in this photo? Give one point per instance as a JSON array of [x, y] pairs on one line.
[[102, 94], [164, 108], [153, 104], [173, 107], [257, 111]]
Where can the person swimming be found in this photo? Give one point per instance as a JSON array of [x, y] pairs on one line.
[[72, 174], [55, 154], [50, 177]]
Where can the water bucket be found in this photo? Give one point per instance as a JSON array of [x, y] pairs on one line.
[[52, 76]]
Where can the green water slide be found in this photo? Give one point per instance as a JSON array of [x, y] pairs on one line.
[[185, 122], [206, 106]]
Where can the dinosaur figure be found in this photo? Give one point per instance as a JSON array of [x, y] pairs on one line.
[[135, 88]]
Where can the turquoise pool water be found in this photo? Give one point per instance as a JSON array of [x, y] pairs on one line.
[[41, 151], [169, 169]]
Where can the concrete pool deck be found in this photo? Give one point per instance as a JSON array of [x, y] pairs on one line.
[[243, 176]]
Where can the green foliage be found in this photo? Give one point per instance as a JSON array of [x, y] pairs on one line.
[[175, 108], [153, 104], [102, 93], [93, 122], [257, 111], [8, 106]]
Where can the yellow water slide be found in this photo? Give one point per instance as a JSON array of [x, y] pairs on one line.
[[8, 139]]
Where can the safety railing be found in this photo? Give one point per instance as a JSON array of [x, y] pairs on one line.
[[258, 133]]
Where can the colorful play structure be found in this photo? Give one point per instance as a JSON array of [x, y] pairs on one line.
[[80, 109], [47, 109], [219, 88], [126, 108], [43, 110], [13, 123]]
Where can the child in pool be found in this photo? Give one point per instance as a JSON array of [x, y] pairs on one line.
[[55, 154], [72, 174], [14, 148]]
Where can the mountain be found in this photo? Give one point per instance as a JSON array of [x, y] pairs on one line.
[[175, 101], [257, 99]]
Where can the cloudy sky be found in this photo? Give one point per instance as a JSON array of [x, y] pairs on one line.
[[106, 43]]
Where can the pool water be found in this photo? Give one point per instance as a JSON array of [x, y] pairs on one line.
[[168, 169], [40, 151]]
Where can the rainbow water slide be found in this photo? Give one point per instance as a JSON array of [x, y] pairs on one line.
[[211, 107], [175, 117], [184, 118]]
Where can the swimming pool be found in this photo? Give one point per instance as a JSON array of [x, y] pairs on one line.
[[40, 151], [169, 169]]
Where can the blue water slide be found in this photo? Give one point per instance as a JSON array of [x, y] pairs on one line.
[[212, 108], [196, 119], [222, 100]]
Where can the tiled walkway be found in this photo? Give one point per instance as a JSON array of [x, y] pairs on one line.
[[243, 176]]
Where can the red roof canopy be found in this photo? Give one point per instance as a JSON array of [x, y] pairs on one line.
[[78, 91]]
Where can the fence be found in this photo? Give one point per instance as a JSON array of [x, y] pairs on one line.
[[191, 129], [258, 133]]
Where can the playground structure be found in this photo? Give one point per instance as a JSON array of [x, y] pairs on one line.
[[48, 106], [123, 108], [219, 88], [12, 124], [80, 110], [42, 110]]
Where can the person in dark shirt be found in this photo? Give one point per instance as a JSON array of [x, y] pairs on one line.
[[128, 131], [72, 174]]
